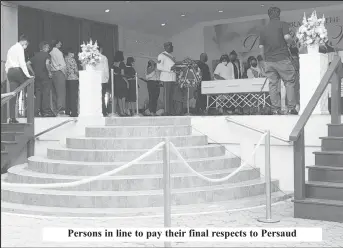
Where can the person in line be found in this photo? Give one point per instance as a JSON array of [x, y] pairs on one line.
[[274, 39], [121, 85], [236, 65], [201, 99], [153, 85], [254, 71], [130, 72], [105, 75], [165, 64], [40, 64], [224, 70], [72, 84], [16, 70], [58, 69]]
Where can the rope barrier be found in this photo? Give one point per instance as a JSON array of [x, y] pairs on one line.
[[217, 180], [86, 180]]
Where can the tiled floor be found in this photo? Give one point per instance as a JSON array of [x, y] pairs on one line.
[[23, 231]]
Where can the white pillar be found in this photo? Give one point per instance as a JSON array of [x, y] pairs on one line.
[[90, 94], [312, 69]]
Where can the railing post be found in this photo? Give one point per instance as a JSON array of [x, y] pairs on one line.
[[335, 99], [268, 218], [31, 119], [167, 187], [299, 166], [112, 92]]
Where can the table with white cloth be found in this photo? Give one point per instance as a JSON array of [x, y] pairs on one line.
[[237, 93]]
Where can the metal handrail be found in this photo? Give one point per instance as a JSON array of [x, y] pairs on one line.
[[17, 90], [54, 127], [299, 126], [257, 130]]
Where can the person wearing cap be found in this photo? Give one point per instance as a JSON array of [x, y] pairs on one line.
[[165, 64], [274, 39]]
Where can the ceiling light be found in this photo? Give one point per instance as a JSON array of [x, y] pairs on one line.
[[163, 24], [183, 15], [107, 10], [220, 11], [262, 5]]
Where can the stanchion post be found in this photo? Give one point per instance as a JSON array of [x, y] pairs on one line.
[[188, 100], [167, 187], [268, 218], [112, 90], [137, 114]]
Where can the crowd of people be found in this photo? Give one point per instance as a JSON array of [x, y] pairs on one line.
[[57, 76]]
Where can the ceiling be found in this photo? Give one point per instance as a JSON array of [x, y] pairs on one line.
[[147, 16]]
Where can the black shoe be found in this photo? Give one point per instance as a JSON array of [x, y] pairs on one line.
[[13, 121], [292, 112]]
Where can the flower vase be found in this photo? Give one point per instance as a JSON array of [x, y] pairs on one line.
[[90, 68], [313, 49]]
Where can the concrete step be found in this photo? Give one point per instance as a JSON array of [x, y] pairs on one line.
[[148, 121], [325, 174], [227, 206], [335, 130], [138, 131], [329, 158], [20, 174], [324, 190], [133, 199], [14, 127], [129, 155], [8, 145], [10, 136], [319, 209], [132, 143], [45, 165], [332, 143], [4, 160]]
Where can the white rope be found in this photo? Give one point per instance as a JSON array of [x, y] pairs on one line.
[[86, 180], [216, 180]]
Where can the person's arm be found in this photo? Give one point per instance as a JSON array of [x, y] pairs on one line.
[[22, 63], [262, 43], [286, 33], [48, 66], [29, 67], [217, 73]]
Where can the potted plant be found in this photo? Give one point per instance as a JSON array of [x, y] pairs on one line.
[[89, 55]]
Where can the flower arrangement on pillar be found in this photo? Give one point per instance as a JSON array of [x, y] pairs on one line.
[[312, 33], [89, 55]]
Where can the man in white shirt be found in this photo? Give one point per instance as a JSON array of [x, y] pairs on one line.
[[16, 70], [105, 75], [224, 70], [165, 64], [58, 70]]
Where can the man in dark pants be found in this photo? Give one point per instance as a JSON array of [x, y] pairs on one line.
[[278, 64], [40, 64], [16, 70], [201, 102]]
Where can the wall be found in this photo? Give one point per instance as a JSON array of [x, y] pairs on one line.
[[9, 30], [191, 41], [142, 47]]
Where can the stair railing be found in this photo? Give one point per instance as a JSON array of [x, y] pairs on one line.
[[27, 86], [168, 147], [333, 75]]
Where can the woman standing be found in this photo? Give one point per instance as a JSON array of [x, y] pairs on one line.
[[130, 74], [121, 85], [153, 84], [72, 84]]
